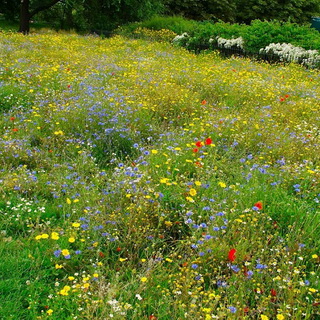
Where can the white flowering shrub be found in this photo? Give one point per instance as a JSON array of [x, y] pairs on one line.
[[229, 43], [290, 53], [181, 40]]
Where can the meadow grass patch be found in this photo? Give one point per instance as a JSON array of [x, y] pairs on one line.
[[142, 181]]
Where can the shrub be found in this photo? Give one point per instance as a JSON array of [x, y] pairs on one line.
[[176, 24]]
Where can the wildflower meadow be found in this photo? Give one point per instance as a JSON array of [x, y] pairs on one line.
[[141, 181]]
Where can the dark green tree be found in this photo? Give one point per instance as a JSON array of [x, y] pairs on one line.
[[29, 8], [299, 11], [10, 9], [203, 9]]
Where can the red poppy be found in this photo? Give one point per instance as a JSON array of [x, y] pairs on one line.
[[282, 99], [199, 144], [198, 164], [12, 118], [152, 317], [258, 205], [118, 249], [203, 102], [232, 255], [208, 141], [101, 254], [14, 129], [246, 309], [273, 292], [195, 150]]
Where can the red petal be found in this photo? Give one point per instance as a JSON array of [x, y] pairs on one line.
[[258, 205], [232, 254]]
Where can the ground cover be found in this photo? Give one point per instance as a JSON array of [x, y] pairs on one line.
[[141, 181]]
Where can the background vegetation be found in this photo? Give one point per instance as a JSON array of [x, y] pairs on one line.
[[105, 15]]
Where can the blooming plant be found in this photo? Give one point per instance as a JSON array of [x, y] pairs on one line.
[[288, 52]]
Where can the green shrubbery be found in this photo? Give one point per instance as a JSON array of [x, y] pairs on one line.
[[176, 24], [257, 35]]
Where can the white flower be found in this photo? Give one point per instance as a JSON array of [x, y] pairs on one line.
[[229, 43], [290, 53], [179, 38]]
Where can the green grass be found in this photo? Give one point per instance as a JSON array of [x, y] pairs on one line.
[[132, 169]]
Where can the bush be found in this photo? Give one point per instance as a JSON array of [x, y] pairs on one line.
[[262, 33], [256, 36], [176, 24]]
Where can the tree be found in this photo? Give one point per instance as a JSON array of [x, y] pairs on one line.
[[10, 9], [29, 8], [203, 9]]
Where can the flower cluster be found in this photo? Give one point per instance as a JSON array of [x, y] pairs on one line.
[[229, 43], [290, 53]]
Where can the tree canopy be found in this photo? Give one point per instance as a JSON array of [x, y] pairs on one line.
[[108, 14]]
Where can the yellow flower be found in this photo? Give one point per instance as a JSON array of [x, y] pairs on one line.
[[168, 223], [263, 317], [76, 224], [75, 200], [65, 252], [197, 183], [65, 291], [192, 192], [189, 199], [280, 317], [72, 240], [71, 278], [42, 236], [143, 279], [154, 151], [68, 201], [49, 312], [55, 236], [58, 266], [315, 256], [222, 184]]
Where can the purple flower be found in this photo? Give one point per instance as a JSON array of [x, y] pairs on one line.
[[57, 253], [232, 309], [235, 268]]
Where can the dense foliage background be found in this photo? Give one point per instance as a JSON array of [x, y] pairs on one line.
[[108, 14]]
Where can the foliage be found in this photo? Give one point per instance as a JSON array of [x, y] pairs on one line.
[[10, 9], [141, 181], [299, 11], [203, 9], [254, 37], [176, 24], [100, 15], [262, 33], [243, 11]]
